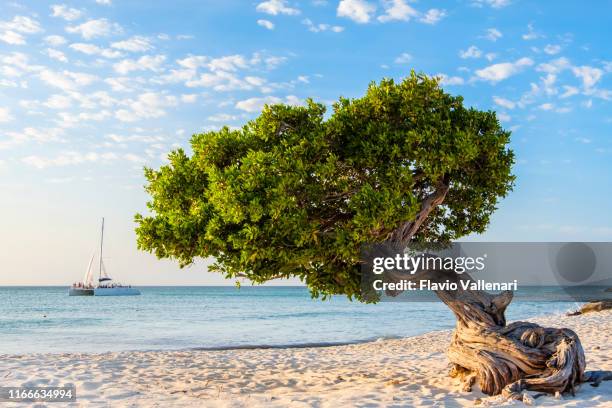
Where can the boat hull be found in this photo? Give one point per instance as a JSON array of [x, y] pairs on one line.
[[117, 291], [80, 292]]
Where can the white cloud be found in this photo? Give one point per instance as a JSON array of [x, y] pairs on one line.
[[95, 28], [317, 28], [554, 66], [193, 61], [569, 91], [551, 49], [134, 44], [134, 158], [444, 79], [13, 38], [504, 117], [548, 83], [144, 63], [397, 10], [275, 7], [67, 159], [55, 40], [104, 2], [189, 98], [67, 120], [471, 52], [266, 24], [531, 34], [256, 104], [66, 80], [589, 75], [21, 24], [17, 64], [120, 84], [91, 49], [504, 103], [40, 135], [583, 140], [433, 16], [58, 101], [491, 3], [359, 11], [222, 117], [5, 115], [266, 62], [546, 106], [148, 105], [223, 81], [65, 12], [56, 55], [493, 34], [230, 63], [11, 32], [504, 70], [403, 58]]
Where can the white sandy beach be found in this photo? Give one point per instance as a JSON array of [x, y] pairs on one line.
[[410, 372]]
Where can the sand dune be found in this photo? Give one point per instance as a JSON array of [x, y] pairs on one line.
[[410, 372]]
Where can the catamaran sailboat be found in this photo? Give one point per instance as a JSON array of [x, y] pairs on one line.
[[105, 286]]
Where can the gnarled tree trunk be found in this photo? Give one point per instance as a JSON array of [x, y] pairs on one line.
[[504, 358], [501, 358], [509, 358]]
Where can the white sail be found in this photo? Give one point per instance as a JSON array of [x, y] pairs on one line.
[[88, 278], [103, 273], [104, 286]]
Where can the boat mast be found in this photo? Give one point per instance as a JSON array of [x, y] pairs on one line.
[[101, 242]]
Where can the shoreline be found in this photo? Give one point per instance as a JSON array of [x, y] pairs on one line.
[[409, 371], [288, 346]]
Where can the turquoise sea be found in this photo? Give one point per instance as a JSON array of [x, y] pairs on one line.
[[46, 319]]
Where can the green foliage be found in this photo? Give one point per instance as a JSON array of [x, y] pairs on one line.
[[295, 194]]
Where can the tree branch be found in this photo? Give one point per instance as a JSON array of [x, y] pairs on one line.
[[404, 233]]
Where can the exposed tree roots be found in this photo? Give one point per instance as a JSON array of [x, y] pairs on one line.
[[508, 359]]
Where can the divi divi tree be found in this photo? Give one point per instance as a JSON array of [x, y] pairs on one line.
[[296, 193]]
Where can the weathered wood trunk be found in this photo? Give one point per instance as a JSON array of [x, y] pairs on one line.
[[509, 358], [501, 358], [504, 358]]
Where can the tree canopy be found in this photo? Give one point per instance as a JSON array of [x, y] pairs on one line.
[[296, 193]]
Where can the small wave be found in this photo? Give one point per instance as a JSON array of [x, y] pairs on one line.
[[280, 346]]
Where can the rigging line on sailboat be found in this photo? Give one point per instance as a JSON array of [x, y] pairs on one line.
[[101, 243]]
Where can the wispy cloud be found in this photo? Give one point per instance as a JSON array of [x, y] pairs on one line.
[[493, 34], [471, 52], [360, 11], [5, 115], [398, 10], [317, 28], [95, 28], [499, 72], [136, 43], [403, 58], [257, 104], [266, 24], [432, 16], [14, 31], [276, 7], [65, 12]]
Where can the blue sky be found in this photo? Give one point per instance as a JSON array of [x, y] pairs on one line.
[[92, 91]]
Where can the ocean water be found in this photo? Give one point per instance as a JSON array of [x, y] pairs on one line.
[[47, 320]]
